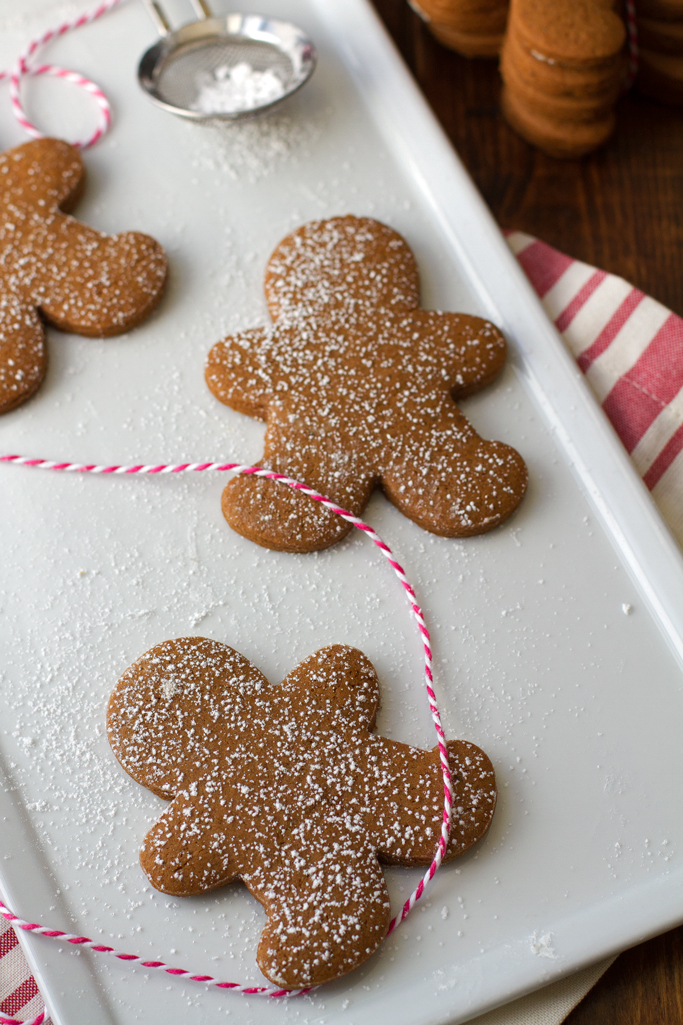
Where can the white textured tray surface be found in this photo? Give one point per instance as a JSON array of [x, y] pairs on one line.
[[579, 705]]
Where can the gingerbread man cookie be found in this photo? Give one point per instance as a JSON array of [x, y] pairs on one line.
[[287, 789], [53, 267], [357, 384]]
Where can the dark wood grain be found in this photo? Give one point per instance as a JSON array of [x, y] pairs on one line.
[[644, 986], [620, 209]]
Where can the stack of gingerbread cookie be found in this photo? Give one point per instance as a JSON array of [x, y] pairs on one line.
[[474, 28], [563, 66], [660, 34]]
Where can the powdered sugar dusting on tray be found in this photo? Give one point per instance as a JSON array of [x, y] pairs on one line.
[[253, 149], [44, 13]]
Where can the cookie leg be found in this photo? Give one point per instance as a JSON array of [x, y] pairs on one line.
[[278, 517], [451, 482], [326, 913], [23, 355]]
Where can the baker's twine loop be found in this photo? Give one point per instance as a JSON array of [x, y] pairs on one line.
[[25, 68], [418, 616]]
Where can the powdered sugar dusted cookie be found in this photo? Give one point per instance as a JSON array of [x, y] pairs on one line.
[[357, 385], [286, 788], [54, 268]]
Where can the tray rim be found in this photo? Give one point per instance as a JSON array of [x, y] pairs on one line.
[[599, 462]]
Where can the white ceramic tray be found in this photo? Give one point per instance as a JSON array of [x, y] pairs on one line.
[[579, 704]]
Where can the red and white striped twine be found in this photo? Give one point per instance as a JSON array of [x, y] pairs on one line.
[[24, 68], [416, 611]]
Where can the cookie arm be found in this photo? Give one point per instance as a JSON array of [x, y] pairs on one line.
[[408, 794], [469, 352], [100, 285], [188, 850], [241, 374], [162, 713], [336, 683]]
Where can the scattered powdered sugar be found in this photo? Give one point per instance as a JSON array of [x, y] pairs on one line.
[[169, 688], [542, 946], [40, 15], [55, 684], [253, 149], [229, 90]]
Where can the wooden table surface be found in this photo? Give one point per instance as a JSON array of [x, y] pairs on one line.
[[620, 209]]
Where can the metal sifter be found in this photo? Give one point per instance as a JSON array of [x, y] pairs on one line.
[[172, 70]]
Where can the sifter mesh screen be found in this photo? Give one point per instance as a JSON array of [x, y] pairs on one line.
[[177, 78]]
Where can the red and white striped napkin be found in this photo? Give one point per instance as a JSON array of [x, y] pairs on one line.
[[630, 348], [19, 996]]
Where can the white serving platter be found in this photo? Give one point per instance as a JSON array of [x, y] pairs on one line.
[[579, 704]]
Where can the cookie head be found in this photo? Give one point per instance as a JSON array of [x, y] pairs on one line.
[[322, 264], [162, 714], [287, 789]]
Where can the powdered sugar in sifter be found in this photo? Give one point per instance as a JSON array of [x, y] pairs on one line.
[[228, 68]]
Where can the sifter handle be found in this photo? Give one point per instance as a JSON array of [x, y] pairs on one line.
[[202, 9], [157, 15]]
